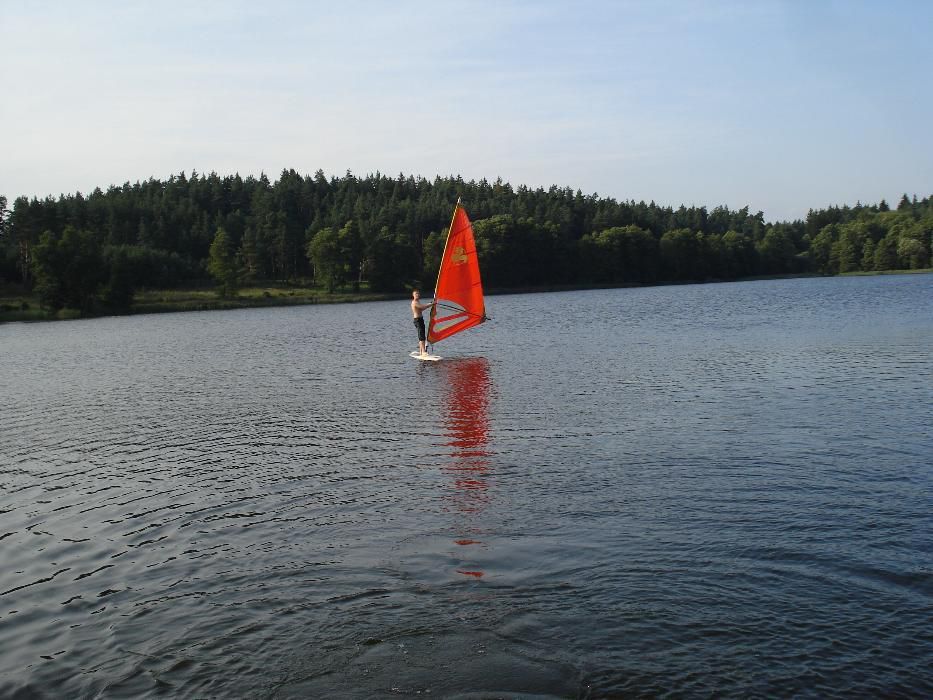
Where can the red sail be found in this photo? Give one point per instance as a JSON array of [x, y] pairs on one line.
[[458, 297]]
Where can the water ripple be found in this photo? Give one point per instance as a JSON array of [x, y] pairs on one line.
[[715, 490]]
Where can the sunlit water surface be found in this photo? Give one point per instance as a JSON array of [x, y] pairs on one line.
[[700, 490]]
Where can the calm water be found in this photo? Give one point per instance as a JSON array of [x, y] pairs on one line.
[[697, 490]]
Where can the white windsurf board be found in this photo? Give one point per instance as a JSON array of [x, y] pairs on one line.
[[426, 357]]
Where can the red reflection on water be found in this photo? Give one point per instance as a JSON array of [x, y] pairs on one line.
[[467, 404], [467, 430], [475, 574]]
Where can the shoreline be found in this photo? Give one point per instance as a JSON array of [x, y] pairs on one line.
[[25, 308]]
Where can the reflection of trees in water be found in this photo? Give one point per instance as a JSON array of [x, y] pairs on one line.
[[467, 429]]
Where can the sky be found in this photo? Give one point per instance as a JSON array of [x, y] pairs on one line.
[[781, 106]]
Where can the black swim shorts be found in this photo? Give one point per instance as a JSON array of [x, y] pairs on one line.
[[419, 324]]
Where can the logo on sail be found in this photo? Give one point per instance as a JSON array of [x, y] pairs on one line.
[[458, 256]]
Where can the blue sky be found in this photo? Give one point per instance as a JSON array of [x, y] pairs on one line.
[[781, 106]]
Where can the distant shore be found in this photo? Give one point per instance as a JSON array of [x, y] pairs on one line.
[[20, 307]]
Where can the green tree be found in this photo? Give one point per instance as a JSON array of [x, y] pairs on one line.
[[7, 256], [223, 264], [4, 216], [821, 251], [496, 245], [738, 254], [776, 252], [351, 246], [913, 247], [292, 220], [392, 262], [253, 254], [325, 252], [680, 251], [28, 220], [119, 289], [432, 248], [69, 270], [868, 255], [885, 256], [620, 254], [849, 247], [912, 253]]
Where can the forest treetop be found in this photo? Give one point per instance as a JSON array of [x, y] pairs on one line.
[[389, 231]]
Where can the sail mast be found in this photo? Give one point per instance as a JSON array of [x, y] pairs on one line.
[[440, 268]]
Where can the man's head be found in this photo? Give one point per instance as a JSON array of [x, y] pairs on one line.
[[415, 294]]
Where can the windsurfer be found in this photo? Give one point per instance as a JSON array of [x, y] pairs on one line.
[[416, 308]]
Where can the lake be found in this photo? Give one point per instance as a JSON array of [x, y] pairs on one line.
[[720, 489]]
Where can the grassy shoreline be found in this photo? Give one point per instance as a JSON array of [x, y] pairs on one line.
[[25, 307], [21, 307]]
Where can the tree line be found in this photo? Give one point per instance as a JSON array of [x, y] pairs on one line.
[[93, 252]]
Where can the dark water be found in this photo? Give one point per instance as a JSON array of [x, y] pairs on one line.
[[701, 490]]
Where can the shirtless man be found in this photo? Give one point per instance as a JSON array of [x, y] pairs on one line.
[[416, 309]]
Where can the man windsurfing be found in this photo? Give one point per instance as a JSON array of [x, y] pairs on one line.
[[416, 308]]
